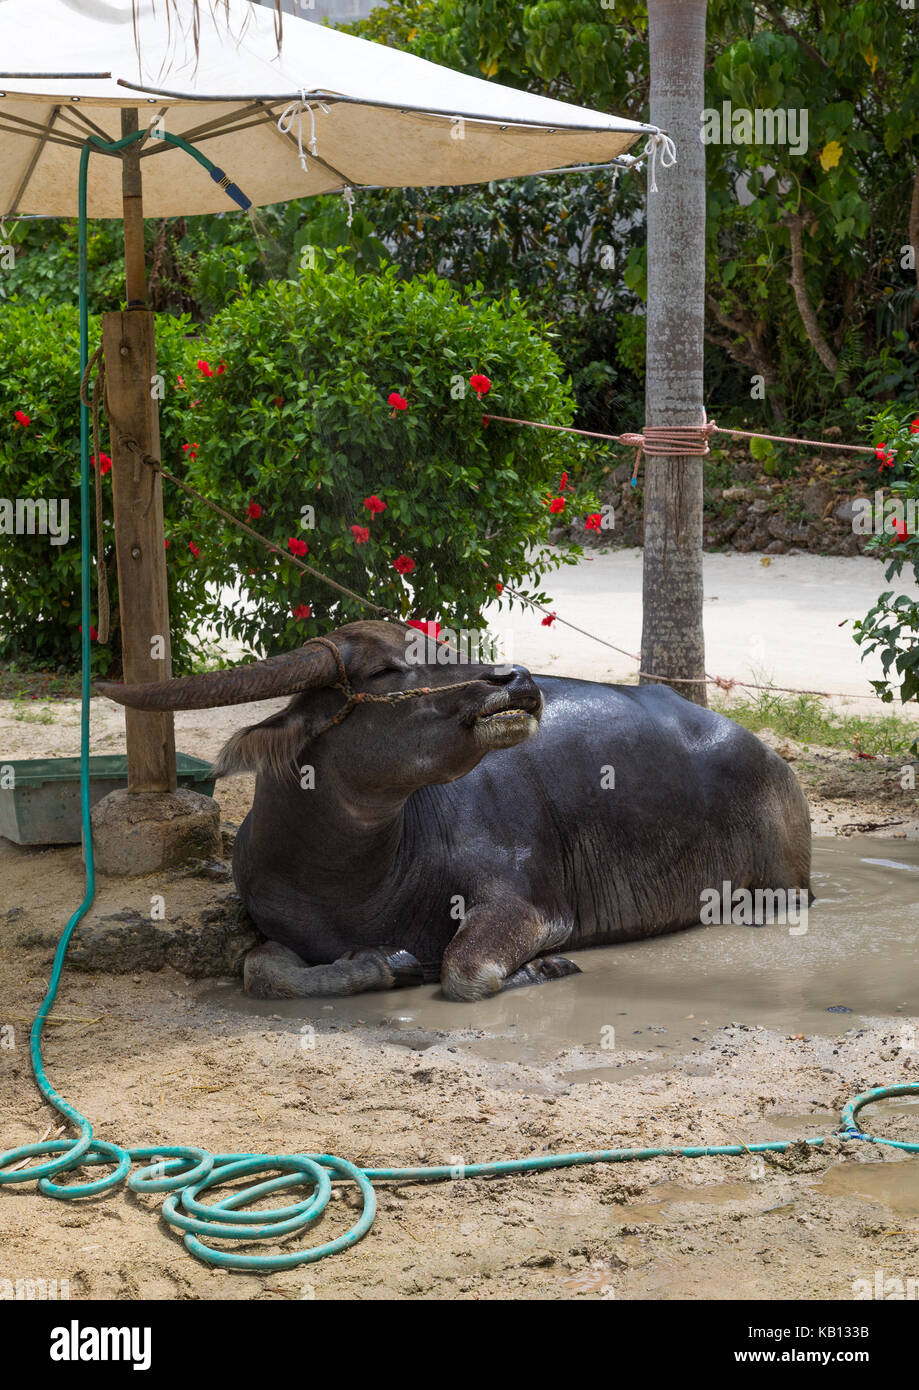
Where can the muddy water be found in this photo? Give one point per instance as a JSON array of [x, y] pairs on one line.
[[858, 957]]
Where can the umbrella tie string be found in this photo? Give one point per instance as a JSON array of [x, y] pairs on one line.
[[658, 144], [347, 194], [294, 112]]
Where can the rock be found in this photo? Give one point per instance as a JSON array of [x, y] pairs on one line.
[[209, 943], [776, 547], [845, 511], [143, 832], [736, 494], [816, 497]]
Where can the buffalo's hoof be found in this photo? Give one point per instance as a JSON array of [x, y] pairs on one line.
[[556, 967], [400, 968], [541, 970], [406, 970]]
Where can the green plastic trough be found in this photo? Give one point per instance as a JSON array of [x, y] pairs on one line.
[[40, 797]]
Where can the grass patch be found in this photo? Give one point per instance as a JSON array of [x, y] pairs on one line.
[[17, 684], [806, 719]]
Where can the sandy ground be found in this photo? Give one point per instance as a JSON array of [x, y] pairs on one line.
[[154, 1058], [150, 1062]]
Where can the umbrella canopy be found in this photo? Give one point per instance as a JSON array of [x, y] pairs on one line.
[[351, 112]]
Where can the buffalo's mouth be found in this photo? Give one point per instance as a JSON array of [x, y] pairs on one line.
[[504, 722]]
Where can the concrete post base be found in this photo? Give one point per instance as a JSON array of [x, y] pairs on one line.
[[142, 832]]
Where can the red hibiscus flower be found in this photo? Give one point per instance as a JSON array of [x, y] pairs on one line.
[[397, 402], [165, 545], [296, 546], [93, 637], [914, 427], [302, 611], [900, 529], [361, 534], [194, 549], [221, 369], [404, 564], [205, 367], [22, 418], [106, 462], [374, 504], [557, 504], [886, 457], [480, 384], [253, 511], [499, 588], [191, 450], [593, 521], [563, 482], [549, 619], [430, 629], [180, 382]]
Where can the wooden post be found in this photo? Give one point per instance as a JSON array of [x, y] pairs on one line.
[[137, 491]]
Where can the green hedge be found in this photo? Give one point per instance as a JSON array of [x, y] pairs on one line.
[[293, 416], [40, 582]]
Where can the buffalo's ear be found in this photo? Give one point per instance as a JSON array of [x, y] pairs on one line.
[[269, 747]]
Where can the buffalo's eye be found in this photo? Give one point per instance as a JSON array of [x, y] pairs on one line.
[[384, 671]]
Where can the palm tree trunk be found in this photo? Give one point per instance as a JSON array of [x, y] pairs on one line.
[[673, 642]]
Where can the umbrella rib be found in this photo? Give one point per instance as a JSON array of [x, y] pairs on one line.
[[199, 139], [76, 113], [55, 112], [336, 98], [288, 138], [197, 131], [37, 132]]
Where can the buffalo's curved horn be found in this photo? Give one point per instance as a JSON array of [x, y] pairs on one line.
[[304, 669]]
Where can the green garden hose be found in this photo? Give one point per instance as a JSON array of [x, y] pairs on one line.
[[183, 1171]]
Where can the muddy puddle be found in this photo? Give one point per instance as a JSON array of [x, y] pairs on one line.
[[858, 957]]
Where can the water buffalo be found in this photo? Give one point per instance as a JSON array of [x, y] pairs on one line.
[[469, 833]]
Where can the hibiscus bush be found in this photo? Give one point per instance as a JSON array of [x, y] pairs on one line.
[[40, 459], [891, 628], [342, 414], [335, 415]]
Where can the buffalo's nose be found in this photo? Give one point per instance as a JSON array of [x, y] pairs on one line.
[[520, 686]]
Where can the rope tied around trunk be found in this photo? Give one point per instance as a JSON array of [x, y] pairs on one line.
[[680, 441]]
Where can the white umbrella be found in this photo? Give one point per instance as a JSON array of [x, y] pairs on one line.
[[359, 113], [317, 111]]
